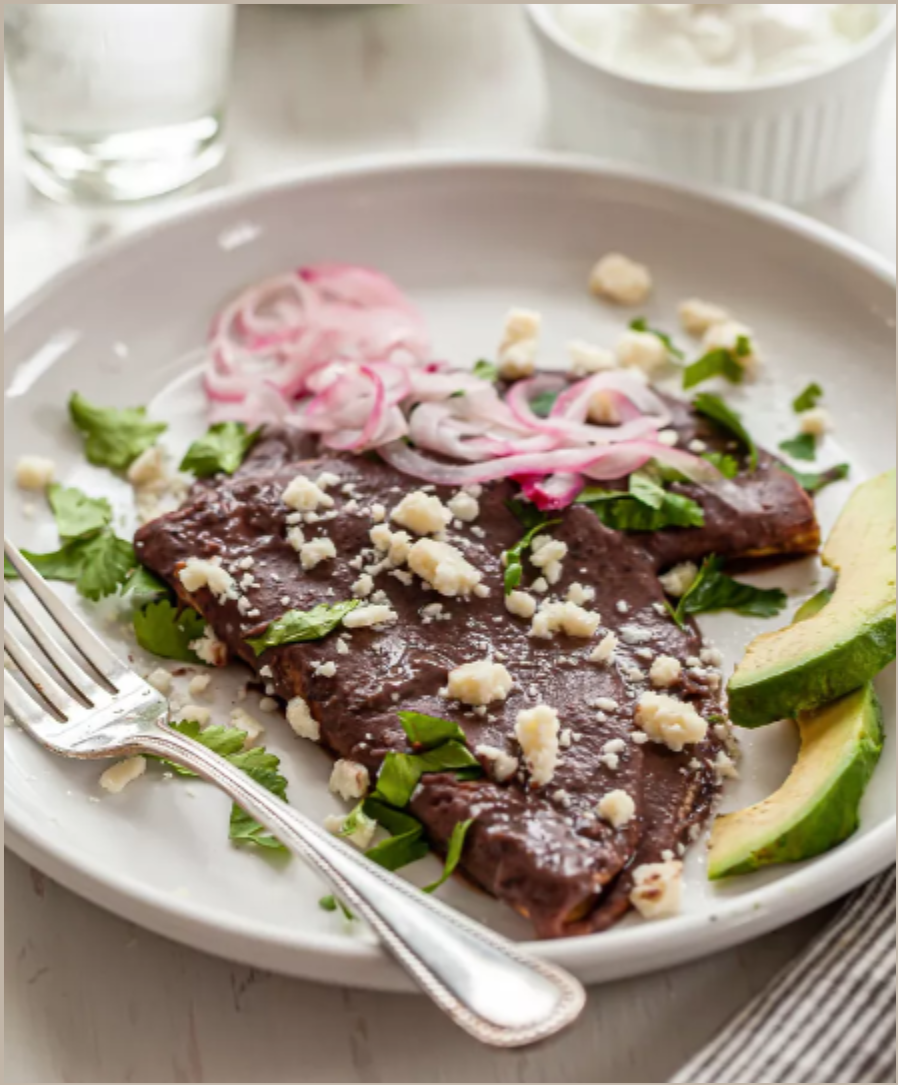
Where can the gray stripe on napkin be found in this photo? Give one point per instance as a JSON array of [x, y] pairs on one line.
[[830, 1017]]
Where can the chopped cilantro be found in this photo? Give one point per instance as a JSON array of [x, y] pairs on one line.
[[299, 626], [77, 514], [113, 437], [714, 590], [143, 587], [97, 565], [713, 407], [221, 450], [543, 402], [166, 631], [802, 447], [815, 481], [646, 507], [400, 773], [514, 557], [716, 363], [259, 763], [399, 851], [807, 399], [640, 324], [453, 854], [429, 731], [727, 465], [486, 371]]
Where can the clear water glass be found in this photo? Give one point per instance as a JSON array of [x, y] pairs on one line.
[[119, 101]]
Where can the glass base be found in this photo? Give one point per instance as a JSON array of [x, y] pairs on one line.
[[125, 166]]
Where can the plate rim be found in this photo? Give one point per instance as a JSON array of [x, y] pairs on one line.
[[341, 959]]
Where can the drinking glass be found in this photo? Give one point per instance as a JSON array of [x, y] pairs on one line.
[[119, 101]]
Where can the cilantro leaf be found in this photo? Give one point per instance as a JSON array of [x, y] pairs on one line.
[[429, 731], [453, 854], [543, 402], [299, 626], [486, 371], [166, 631], [396, 822], [815, 481], [646, 507], [96, 565], [400, 773], [807, 399], [77, 514], [713, 407], [514, 557], [727, 465], [113, 437], [802, 447], [716, 363], [398, 851], [640, 324], [525, 512], [143, 587], [714, 590], [106, 562], [221, 449], [259, 763]]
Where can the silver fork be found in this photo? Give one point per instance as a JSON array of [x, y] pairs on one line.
[[490, 987]]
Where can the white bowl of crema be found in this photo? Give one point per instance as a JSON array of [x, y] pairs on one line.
[[774, 99]]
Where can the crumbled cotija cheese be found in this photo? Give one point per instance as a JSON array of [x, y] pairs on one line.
[[617, 808], [198, 685], [587, 359], [149, 467], [304, 495], [34, 472], [522, 324], [564, 618], [678, 580], [161, 680], [521, 604], [726, 336], [536, 730], [480, 683], [697, 316], [362, 834], [376, 614], [620, 279], [363, 587], [604, 650], [464, 506], [658, 889], [199, 573], [816, 421], [241, 720], [314, 552], [580, 594], [197, 713], [422, 513], [444, 567], [641, 350], [726, 766], [670, 722], [349, 780], [301, 719], [122, 773], [518, 360], [210, 649], [665, 671], [502, 765], [546, 553]]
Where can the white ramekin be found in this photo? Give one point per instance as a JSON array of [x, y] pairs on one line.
[[790, 139]]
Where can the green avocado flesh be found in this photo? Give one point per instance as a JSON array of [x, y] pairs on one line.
[[842, 647], [818, 806]]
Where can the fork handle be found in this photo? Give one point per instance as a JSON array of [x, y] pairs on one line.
[[493, 989]]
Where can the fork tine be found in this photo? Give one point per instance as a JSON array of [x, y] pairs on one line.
[[87, 643], [60, 702], [31, 716], [82, 683]]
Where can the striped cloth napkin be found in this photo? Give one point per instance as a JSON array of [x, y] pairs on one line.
[[830, 1016]]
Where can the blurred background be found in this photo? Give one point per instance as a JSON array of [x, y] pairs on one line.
[[107, 107]]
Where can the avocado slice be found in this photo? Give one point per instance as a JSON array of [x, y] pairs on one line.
[[818, 806], [837, 650]]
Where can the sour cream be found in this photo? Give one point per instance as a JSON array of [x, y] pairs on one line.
[[717, 45]]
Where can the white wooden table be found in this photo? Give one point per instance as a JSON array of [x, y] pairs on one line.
[[92, 999]]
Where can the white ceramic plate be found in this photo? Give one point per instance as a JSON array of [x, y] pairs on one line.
[[468, 238]]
